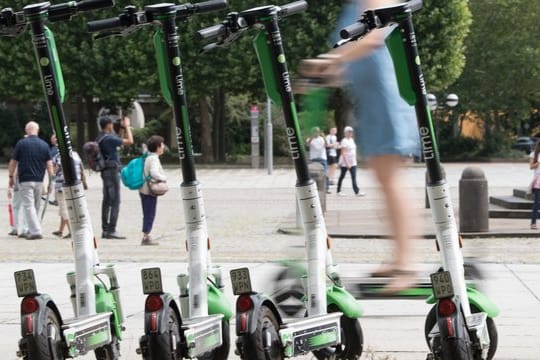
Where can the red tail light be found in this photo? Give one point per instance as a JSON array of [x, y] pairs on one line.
[[29, 305], [244, 303], [153, 303], [446, 307]]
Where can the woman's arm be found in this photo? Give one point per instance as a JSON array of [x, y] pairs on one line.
[[155, 169], [533, 164]]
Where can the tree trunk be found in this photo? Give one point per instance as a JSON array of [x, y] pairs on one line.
[[219, 125], [81, 133], [342, 110], [206, 130], [91, 114]]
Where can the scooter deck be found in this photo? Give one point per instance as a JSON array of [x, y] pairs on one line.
[[312, 333], [203, 334], [87, 333]]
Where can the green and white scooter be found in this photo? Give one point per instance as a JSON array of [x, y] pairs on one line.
[[97, 324], [199, 328], [332, 327], [460, 326]]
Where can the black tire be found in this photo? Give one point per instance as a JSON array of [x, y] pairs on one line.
[[165, 346], [110, 351], [431, 319], [50, 345], [222, 352], [352, 341], [253, 347]]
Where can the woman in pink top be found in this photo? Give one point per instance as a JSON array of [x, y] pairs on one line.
[[347, 161]]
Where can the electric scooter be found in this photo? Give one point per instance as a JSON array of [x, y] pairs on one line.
[[97, 324], [199, 328], [460, 326], [332, 327]]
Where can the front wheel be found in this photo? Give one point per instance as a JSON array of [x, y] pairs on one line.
[[352, 341], [110, 351], [431, 320], [222, 352], [47, 346], [264, 343]]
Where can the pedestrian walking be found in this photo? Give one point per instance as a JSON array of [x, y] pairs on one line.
[[154, 172], [109, 143], [53, 151], [59, 183], [534, 162], [331, 154], [348, 162], [317, 151], [31, 158], [386, 127]]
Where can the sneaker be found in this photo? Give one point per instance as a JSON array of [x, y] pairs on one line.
[[57, 233], [328, 192], [22, 235], [360, 193], [34, 237], [341, 194], [53, 202], [105, 235], [534, 227], [115, 235], [68, 236], [13, 232], [148, 241]]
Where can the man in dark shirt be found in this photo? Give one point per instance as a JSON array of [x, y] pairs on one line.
[[108, 145], [31, 157]]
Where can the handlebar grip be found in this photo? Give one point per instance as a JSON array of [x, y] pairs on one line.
[[104, 24], [415, 5], [293, 8], [87, 5], [211, 32], [354, 30], [212, 5]]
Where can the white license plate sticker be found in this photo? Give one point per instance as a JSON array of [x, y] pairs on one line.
[[25, 283], [151, 281], [442, 285], [241, 282]]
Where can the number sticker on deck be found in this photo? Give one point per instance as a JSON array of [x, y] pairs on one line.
[[241, 282], [442, 285], [25, 283], [151, 281]]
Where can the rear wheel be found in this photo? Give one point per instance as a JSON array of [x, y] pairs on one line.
[[264, 343], [164, 346], [222, 352], [431, 320], [49, 345], [352, 341]]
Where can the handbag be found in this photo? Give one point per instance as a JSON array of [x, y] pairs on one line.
[[157, 187]]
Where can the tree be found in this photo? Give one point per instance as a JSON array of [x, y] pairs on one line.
[[501, 77]]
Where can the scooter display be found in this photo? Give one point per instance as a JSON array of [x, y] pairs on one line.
[[331, 328], [97, 324], [199, 327], [460, 326]]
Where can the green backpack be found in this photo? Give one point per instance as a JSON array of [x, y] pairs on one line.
[[132, 174]]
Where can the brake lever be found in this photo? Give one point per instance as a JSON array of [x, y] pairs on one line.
[[125, 32], [13, 32]]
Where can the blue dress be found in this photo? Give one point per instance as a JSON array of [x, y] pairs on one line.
[[384, 122]]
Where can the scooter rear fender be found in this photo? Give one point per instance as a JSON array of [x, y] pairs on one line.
[[160, 318], [252, 315], [40, 316], [479, 300]]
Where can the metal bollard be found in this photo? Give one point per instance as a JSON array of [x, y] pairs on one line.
[[473, 201]]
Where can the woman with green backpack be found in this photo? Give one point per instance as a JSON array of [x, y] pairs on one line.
[[154, 186]]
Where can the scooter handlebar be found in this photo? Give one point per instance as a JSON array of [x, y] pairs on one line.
[[104, 24], [212, 32], [415, 5], [293, 8], [354, 30], [87, 5], [209, 6]]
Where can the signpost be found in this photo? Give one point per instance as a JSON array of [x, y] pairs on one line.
[[254, 112]]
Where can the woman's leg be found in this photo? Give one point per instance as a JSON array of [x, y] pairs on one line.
[[353, 179], [341, 177], [149, 203], [536, 206], [388, 173]]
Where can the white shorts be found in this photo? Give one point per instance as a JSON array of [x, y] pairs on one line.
[[62, 208]]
